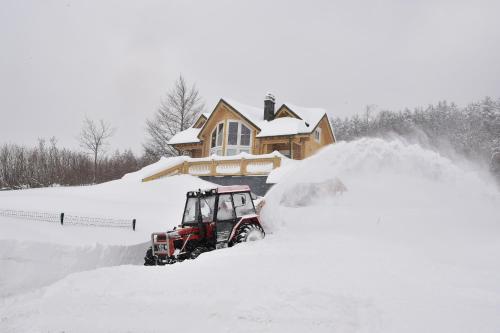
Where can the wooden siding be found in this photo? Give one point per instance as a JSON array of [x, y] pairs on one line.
[[200, 122], [301, 145], [284, 111], [223, 113], [326, 138]]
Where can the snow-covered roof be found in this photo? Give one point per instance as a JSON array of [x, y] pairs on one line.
[[310, 117], [252, 113], [282, 126], [189, 135]]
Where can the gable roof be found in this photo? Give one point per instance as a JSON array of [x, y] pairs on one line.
[[252, 113], [248, 113], [305, 121]]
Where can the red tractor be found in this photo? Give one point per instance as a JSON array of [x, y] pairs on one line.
[[213, 219]]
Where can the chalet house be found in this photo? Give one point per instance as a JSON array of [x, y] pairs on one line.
[[232, 128]]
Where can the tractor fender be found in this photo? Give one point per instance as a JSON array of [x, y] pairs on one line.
[[247, 219]]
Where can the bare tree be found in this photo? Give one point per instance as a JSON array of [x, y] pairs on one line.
[[176, 113], [93, 138]]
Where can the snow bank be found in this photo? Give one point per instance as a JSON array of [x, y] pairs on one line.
[[383, 174], [37, 263], [413, 245]]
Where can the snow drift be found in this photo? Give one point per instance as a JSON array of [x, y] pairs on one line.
[[386, 176], [413, 245]]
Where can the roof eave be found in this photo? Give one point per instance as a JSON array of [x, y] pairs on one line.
[[183, 143], [282, 135]]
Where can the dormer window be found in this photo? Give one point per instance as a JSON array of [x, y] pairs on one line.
[[317, 135]]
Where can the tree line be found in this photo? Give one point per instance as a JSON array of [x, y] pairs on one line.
[[48, 165], [472, 131]]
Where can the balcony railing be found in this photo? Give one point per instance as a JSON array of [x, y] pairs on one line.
[[215, 166]]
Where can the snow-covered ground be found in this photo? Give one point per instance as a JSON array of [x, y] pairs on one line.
[[412, 246], [34, 254]]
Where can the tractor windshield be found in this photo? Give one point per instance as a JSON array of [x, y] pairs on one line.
[[195, 206]]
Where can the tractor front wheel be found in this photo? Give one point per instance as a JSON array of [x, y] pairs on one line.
[[197, 251], [250, 233], [149, 260]]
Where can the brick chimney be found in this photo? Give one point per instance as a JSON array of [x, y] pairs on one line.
[[269, 107]]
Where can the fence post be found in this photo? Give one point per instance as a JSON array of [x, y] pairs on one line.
[[62, 218], [133, 224]]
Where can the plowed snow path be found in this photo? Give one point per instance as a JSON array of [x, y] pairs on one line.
[[35, 254], [28, 264]]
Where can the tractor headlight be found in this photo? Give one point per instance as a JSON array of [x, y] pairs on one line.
[[161, 247]]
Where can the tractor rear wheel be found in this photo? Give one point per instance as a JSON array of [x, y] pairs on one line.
[[250, 233]]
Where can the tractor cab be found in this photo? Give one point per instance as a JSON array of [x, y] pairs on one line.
[[214, 218]]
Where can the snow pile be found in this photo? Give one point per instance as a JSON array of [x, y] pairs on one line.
[[303, 194], [382, 174], [413, 245], [415, 236]]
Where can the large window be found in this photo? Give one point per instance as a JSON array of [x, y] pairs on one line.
[[216, 140], [239, 138]]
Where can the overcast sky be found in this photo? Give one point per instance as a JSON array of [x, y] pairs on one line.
[[62, 60]]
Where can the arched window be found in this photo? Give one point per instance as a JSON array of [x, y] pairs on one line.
[[239, 138], [216, 140]]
